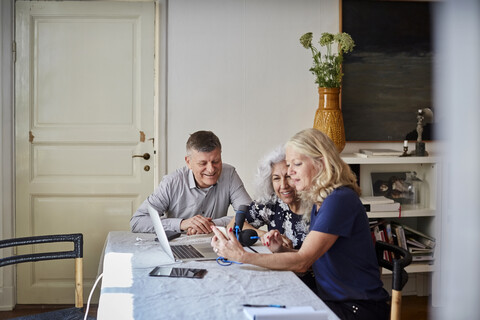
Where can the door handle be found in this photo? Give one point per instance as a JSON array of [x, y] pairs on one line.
[[145, 156]]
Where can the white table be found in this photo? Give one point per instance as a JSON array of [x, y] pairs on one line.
[[128, 292]]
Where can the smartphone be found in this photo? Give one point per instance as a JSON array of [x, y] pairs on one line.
[[178, 272]]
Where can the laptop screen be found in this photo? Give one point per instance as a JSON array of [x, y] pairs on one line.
[[161, 235]]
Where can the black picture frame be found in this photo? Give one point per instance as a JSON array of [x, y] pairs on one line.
[[388, 76]]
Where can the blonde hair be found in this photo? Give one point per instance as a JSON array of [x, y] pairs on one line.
[[321, 149]]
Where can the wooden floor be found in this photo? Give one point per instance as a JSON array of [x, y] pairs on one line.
[[413, 307]]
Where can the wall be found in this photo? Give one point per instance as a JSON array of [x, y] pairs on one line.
[[237, 68]]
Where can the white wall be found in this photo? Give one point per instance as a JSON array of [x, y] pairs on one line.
[[236, 67]]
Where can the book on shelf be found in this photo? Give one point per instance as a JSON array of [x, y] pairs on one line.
[[380, 152], [379, 203], [382, 231], [375, 199], [415, 243], [426, 240], [401, 240], [416, 258], [380, 235], [414, 250], [391, 231]]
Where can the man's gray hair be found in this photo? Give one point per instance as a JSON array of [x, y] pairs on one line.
[[203, 141], [264, 192]]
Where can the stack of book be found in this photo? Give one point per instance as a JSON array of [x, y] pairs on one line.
[[420, 245], [366, 153], [379, 204], [382, 231]]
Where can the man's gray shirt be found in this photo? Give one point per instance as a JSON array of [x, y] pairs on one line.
[[179, 198]]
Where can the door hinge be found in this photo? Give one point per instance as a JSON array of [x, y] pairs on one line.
[[14, 51]]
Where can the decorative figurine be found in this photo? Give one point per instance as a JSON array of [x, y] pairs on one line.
[[420, 145]]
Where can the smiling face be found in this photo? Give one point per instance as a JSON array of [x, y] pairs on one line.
[[206, 166], [281, 183], [301, 169]]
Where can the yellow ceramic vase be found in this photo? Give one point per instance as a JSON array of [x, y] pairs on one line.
[[329, 118]]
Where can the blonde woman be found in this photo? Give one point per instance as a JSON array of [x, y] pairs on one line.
[[339, 245]]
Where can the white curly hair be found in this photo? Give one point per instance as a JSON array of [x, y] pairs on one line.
[[264, 192]]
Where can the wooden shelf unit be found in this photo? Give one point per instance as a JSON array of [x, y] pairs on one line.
[[420, 216]]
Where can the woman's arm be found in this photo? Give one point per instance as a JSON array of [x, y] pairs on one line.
[[246, 225], [315, 245]]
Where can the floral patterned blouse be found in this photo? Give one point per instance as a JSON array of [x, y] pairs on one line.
[[278, 216]]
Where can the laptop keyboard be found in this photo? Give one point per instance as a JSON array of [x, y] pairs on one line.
[[186, 252]]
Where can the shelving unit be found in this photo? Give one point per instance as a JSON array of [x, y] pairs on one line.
[[420, 216]]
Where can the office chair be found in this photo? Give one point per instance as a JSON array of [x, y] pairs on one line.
[[402, 258], [76, 253]]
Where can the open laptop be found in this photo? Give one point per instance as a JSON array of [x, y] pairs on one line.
[[183, 252]]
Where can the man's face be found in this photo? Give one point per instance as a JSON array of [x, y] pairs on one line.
[[206, 166]]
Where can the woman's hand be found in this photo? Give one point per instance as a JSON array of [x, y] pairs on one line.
[[228, 248], [273, 240], [287, 243]]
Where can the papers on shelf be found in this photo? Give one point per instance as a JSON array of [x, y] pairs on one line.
[[378, 152], [306, 313], [375, 200], [379, 203]]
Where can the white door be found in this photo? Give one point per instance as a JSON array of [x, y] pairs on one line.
[[84, 108]]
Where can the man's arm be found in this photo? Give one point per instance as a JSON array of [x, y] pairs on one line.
[[141, 221], [160, 201], [238, 195]]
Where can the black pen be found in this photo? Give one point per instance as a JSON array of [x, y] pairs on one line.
[[264, 306]]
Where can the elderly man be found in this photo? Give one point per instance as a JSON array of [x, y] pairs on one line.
[[197, 196]]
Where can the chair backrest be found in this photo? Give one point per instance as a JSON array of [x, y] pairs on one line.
[[400, 259], [76, 253]]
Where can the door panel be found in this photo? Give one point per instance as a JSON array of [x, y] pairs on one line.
[[84, 107]]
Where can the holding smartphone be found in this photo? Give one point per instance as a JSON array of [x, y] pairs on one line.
[[178, 272]]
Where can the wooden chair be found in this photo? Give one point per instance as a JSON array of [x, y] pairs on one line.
[[76, 253], [399, 276]]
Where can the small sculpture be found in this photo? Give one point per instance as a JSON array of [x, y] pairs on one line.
[[423, 115], [420, 118]]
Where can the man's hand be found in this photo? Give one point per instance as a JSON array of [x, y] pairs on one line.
[[197, 225]]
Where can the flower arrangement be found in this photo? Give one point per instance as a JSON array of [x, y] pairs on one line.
[[328, 68]]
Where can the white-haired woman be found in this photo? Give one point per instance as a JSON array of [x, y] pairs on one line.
[[339, 244], [276, 203]]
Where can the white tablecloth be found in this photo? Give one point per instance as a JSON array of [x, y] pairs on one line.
[[128, 292]]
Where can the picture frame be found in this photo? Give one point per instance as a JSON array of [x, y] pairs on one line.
[[388, 75], [398, 186]]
